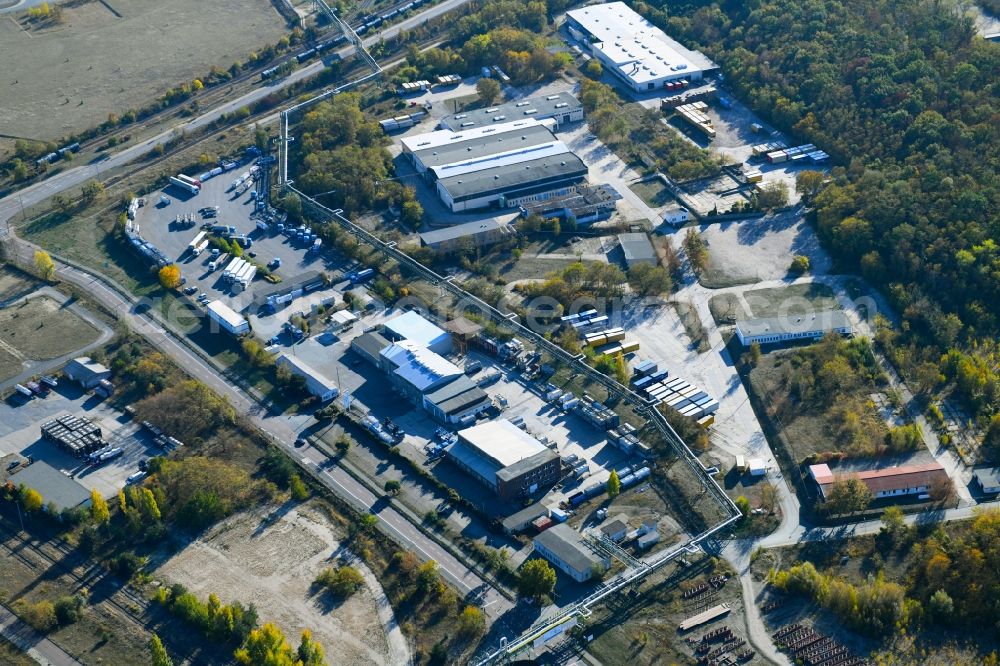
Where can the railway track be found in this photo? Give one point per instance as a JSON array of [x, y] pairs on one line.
[[93, 574]]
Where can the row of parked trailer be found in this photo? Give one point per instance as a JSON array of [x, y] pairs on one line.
[[797, 154], [192, 185], [627, 478], [656, 385], [239, 273]]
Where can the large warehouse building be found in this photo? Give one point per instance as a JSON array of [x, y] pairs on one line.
[[500, 166], [635, 50], [505, 458]]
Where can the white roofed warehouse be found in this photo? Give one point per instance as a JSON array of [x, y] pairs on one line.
[[227, 318], [499, 166], [411, 326], [633, 49], [505, 458], [776, 330]]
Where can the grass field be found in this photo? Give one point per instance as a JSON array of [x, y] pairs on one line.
[[796, 299], [14, 283], [71, 76], [41, 329], [726, 308], [652, 192]]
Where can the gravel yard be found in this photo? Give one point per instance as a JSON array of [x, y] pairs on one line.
[[270, 558], [755, 250]]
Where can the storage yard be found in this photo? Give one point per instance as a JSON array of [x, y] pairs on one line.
[[65, 85], [225, 206], [66, 427]]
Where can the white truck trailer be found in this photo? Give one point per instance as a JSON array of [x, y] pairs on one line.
[[196, 241]]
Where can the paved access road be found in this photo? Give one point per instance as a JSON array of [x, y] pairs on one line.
[[36, 646]]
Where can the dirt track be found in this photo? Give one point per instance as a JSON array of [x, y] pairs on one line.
[[270, 558]]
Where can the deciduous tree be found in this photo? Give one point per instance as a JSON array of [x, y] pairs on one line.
[[170, 276], [614, 485], [536, 579]]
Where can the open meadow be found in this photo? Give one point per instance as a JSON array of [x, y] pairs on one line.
[[107, 57]]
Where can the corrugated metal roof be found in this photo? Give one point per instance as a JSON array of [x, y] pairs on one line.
[[53, 485], [419, 366], [411, 326]]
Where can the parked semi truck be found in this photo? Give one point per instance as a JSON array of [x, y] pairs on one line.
[[218, 261], [197, 250], [185, 185]]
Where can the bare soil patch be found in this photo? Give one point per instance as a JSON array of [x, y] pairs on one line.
[[270, 558], [749, 251], [42, 329], [69, 76]]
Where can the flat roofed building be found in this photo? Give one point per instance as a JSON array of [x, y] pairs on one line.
[[561, 107], [513, 180], [566, 549], [316, 383], [505, 458], [518, 522], [637, 249], [443, 147], [415, 328], [585, 204], [227, 318], [502, 166], [86, 372], [457, 400], [775, 330], [416, 369], [635, 50], [988, 479], [479, 234], [886, 482], [369, 346], [56, 488], [287, 290]]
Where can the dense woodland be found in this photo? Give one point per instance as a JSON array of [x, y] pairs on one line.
[[904, 96]]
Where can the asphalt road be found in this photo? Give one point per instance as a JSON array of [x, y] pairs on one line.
[[37, 647]]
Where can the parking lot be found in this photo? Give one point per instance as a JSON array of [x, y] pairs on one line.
[[20, 432], [157, 224]]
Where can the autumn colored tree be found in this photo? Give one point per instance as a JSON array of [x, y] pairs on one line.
[[536, 579], [614, 485], [99, 512], [170, 276], [44, 265], [157, 653]]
